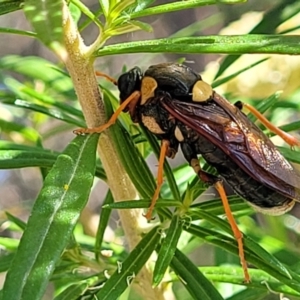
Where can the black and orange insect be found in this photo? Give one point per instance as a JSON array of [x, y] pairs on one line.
[[179, 108]]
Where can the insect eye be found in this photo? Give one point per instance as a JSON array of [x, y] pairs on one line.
[[129, 82]]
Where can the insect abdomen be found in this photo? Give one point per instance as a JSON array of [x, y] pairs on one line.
[[263, 198]]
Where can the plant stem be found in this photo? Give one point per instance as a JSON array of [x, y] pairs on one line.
[[80, 67]]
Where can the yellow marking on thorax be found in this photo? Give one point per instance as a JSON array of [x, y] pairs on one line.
[[148, 88], [202, 91], [178, 134], [152, 125]]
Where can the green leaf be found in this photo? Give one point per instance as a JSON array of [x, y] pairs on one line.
[[103, 223], [182, 176], [141, 25], [16, 220], [73, 291], [85, 10], [237, 44], [227, 244], [17, 31], [28, 133], [249, 294], [21, 156], [268, 258], [264, 105], [55, 113], [260, 280], [193, 280], [215, 206], [12, 159], [291, 126], [167, 249], [5, 145], [200, 25], [249, 244], [54, 215], [5, 262], [228, 78], [38, 68], [273, 18], [105, 6], [46, 18], [75, 12], [180, 5], [9, 243], [125, 28], [139, 5], [142, 204], [122, 277], [49, 100], [117, 9], [10, 6]]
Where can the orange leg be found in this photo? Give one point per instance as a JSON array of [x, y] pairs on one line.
[[289, 139], [237, 233], [114, 81], [211, 179], [133, 98], [163, 151]]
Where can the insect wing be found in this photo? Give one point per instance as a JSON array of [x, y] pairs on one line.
[[260, 147], [229, 129]]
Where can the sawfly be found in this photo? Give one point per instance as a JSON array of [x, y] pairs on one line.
[[180, 109]]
